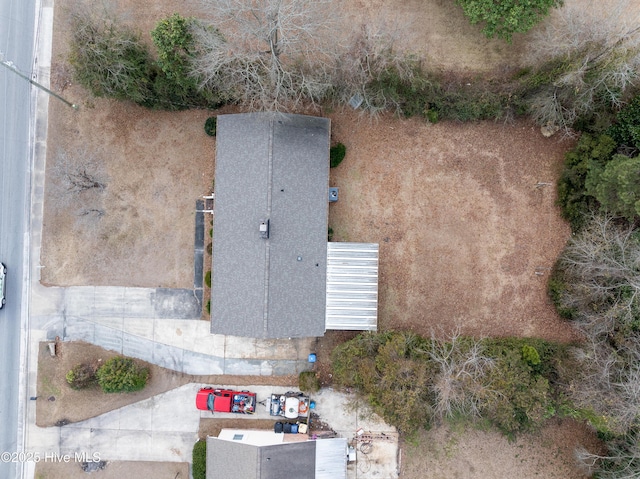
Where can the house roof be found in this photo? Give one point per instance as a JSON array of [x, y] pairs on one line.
[[233, 460], [271, 167]]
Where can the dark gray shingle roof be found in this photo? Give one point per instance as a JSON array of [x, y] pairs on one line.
[[234, 460], [275, 167]]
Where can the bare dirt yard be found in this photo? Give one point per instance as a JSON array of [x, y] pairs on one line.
[[465, 218], [449, 451], [464, 215]]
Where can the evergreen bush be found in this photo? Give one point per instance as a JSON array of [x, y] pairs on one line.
[[199, 460], [120, 374], [210, 126], [337, 154]]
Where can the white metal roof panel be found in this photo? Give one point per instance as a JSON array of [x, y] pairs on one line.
[[352, 286], [331, 458]]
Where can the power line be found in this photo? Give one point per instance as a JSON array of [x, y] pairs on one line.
[[10, 66]]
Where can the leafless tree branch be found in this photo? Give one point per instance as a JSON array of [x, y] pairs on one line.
[[77, 182], [268, 54], [600, 58], [460, 385]]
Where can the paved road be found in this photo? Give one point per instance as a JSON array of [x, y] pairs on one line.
[[16, 42]]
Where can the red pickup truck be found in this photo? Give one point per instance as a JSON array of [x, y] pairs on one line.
[[226, 400]]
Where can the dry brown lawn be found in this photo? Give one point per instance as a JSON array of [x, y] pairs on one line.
[[113, 470], [465, 218]]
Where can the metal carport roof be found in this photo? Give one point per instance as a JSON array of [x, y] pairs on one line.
[[352, 286]]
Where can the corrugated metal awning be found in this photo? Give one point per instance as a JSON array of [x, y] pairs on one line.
[[352, 286]]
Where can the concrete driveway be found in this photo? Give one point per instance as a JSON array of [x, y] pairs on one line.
[[165, 427]]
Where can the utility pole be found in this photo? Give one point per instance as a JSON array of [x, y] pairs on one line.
[[10, 66]]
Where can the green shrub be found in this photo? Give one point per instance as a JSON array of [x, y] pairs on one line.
[[522, 397], [408, 92], [337, 154], [402, 376], [590, 153], [81, 376], [210, 126], [208, 307], [109, 59], [626, 129], [523, 380], [432, 116], [308, 381], [389, 372], [209, 248], [174, 85], [207, 278], [616, 186], [199, 460], [461, 104], [330, 234], [548, 353], [121, 374], [506, 17], [556, 288], [530, 355]]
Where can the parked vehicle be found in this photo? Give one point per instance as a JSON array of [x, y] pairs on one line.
[[3, 284], [226, 400]]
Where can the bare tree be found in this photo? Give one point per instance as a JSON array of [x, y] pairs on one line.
[[108, 57], [604, 381], [601, 265], [371, 52], [621, 462], [596, 57], [77, 183], [460, 385], [268, 54], [600, 269]]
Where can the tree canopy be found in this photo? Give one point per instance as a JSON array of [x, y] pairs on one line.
[[617, 186], [505, 17], [268, 54], [109, 58]]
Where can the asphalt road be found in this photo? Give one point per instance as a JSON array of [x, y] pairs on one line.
[[16, 42]]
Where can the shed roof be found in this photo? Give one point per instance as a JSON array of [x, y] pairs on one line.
[[270, 167]]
